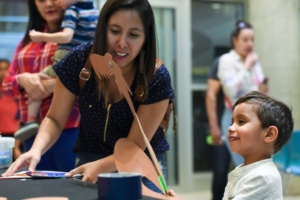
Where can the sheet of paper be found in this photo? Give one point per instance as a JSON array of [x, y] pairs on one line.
[[47, 174], [17, 175]]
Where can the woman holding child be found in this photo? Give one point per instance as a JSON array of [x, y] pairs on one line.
[[26, 83], [126, 30]]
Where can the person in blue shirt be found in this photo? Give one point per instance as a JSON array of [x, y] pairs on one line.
[[126, 30]]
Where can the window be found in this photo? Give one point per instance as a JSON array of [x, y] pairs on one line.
[[13, 23]]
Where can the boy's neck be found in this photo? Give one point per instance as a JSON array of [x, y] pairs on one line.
[[251, 160]]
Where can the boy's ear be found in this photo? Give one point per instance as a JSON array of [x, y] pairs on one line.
[[271, 134]]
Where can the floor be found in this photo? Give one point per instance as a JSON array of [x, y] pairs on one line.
[[202, 184]]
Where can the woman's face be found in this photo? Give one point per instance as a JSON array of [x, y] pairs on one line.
[[243, 43], [50, 12], [125, 37]]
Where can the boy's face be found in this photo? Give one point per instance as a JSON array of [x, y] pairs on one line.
[[245, 135]]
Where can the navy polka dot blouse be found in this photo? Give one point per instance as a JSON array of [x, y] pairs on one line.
[[93, 111]]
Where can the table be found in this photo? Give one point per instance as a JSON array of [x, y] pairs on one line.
[[16, 189]]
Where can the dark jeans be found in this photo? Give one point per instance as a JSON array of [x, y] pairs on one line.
[[220, 171], [85, 157]]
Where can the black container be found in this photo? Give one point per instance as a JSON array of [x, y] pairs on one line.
[[119, 186]]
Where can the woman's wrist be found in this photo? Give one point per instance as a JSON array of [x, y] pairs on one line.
[[21, 78], [21, 82]]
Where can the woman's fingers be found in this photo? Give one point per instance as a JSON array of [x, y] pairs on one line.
[[33, 164], [86, 171], [18, 164], [77, 170]]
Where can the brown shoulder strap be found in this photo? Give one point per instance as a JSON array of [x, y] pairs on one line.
[[157, 64], [85, 72]]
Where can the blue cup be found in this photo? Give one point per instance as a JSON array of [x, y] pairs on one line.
[[119, 186]]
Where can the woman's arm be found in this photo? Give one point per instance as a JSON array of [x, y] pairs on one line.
[[56, 118], [213, 88], [150, 117]]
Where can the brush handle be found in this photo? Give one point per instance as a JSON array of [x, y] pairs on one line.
[[153, 157]]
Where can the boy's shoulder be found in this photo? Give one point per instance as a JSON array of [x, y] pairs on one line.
[[265, 168], [263, 173]]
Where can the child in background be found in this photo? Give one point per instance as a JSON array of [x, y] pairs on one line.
[[9, 114], [78, 26], [261, 126]]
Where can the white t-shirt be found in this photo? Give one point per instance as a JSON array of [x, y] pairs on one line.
[[236, 81], [257, 181]]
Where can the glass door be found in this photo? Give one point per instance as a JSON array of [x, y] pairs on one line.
[[212, 23], [165, 29], [13, 23]]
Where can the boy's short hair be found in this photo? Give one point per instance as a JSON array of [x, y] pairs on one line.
[[271, 112]]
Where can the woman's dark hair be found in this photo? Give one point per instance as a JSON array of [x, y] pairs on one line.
[[271, 112], [144, 10], [239, 25], [36, 22]]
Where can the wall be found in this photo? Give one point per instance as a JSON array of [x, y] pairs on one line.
[[277, 41]]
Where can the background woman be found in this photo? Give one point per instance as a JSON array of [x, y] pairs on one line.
[[239, 73], [26, 83]]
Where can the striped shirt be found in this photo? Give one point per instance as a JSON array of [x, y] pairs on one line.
[[82, 17], [33, 58]]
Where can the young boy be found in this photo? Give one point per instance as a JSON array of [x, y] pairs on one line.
[[78, 26], [261, 126]]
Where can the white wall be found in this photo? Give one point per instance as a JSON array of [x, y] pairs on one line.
[[277, 41]]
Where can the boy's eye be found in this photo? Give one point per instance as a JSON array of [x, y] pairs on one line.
[[241, 121]]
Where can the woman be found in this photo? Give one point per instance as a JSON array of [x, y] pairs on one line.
[[239, 73], [25, 83], [126, 30]]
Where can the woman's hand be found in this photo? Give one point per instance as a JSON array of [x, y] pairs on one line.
[[89, 171], [32, 83], [31, 159], [66, 3], [216, 134], [250, 60]]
